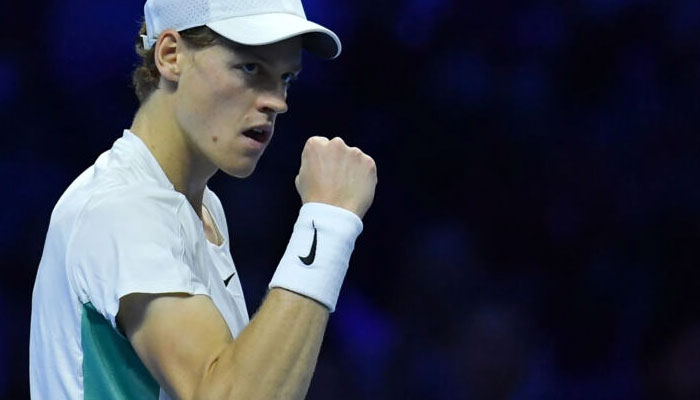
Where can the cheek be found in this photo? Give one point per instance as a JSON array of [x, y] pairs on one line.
[[210, 105], [192, 105], [225, 118]]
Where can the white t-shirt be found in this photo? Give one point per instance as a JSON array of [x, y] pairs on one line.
[[119, 228]]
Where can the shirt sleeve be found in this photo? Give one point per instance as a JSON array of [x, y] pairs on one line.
[[130, 243]]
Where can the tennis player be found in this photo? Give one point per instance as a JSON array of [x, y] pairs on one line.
[[136, 295]]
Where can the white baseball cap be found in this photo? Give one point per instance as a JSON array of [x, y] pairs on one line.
[[248, 22]]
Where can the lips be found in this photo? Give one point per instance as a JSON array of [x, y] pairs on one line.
[[260, 134]]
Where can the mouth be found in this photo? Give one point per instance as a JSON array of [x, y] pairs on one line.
[[260, 134]]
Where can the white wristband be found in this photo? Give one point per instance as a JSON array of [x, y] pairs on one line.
[[318, 253]]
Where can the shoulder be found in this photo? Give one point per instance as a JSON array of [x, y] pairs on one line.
[[100, 207], [134, 239], [104, 191], [127, 215], [137, 203]]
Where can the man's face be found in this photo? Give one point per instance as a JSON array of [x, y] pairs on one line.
[[227, 100]]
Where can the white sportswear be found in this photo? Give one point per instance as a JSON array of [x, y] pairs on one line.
[[119, 228]]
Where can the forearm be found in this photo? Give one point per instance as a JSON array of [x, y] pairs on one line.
[[274, 356]]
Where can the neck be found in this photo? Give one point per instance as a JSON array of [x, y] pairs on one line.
[[156, 124]]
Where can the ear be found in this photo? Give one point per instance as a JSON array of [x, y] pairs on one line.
[[168, 48]]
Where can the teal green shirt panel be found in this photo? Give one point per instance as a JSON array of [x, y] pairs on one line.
[[111, 368]]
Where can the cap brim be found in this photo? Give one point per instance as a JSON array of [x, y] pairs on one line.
[[262, 29]]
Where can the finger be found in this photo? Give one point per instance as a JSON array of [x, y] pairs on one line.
[[337, 140]]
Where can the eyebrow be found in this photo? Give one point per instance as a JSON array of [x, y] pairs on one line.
[[250, 51]]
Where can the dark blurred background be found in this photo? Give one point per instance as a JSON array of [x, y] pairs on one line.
[[536, 225]]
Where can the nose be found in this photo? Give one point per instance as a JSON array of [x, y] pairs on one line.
[[273, 101]]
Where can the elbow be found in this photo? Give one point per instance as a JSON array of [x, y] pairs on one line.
[[223, 380], [215, 382]]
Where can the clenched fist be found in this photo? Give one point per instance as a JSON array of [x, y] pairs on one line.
[[335, 174]]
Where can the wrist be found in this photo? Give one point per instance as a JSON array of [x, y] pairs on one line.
[[318, 253], [336, 204]]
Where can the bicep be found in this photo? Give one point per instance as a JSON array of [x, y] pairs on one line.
[[178, 337]]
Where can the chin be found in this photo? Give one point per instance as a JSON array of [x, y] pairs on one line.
[[239, 171]]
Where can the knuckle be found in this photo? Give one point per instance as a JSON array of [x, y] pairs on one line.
[[338, 141], [317, 140], [371, 164]]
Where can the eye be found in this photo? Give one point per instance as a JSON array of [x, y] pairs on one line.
[[249, 68], [289, 78]]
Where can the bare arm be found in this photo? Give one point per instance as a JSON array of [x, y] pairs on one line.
[[185, 343]]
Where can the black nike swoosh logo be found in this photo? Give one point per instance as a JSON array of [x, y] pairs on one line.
[[227, 280], [308, 260]]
